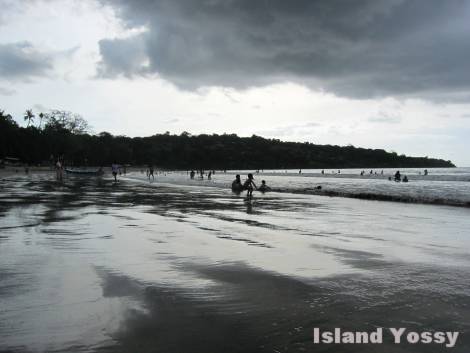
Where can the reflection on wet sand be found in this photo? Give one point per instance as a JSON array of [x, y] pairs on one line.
[[89, 265]]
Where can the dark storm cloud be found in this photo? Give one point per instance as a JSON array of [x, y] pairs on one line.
[[361, 48], [21, 60], [123, 56]]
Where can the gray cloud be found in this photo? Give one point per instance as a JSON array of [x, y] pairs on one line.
[[122, 56], [7, 8], [6, 91], [21, 60], [362, 48], [386, 118]]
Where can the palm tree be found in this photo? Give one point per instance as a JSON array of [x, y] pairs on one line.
[[41, 116], [29, 116]]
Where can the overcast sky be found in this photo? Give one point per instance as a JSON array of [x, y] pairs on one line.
[[391, 74]]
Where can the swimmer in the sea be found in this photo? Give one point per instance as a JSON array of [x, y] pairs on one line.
[[263, 187]]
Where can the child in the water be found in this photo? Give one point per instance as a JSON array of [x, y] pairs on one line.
[[264, 187], [248, 185]]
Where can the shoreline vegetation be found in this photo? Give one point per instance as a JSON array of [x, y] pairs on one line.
[[62, 133]]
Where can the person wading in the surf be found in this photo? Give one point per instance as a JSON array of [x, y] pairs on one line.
[[248, 185]]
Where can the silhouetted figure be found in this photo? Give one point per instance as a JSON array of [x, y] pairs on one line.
[[323, 171], [150, 172], [300, 171], [405, 179], [382, 172], [339, 171], [59, 170], [397, 176], [237, 184], [263, 187], [114, 170], [362, 173], [192, 174], [209, 176], [248, 185], [425, 172], [318, 187]]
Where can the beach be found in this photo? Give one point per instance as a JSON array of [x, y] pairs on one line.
[[173, 265]]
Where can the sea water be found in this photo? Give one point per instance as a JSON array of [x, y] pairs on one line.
[[176, 265], [449, 186]]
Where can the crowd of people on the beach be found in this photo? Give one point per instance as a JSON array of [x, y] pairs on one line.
[[237, 185]]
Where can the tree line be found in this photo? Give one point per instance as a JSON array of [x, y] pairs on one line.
[[62, 133]]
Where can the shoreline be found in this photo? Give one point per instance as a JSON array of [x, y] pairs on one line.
[[164, 177]]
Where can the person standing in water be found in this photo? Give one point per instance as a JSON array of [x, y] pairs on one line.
[[397, 176], [150, 172], [115, 170], [248, 185], [237, 184]]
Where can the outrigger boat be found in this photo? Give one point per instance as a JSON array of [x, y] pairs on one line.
[[97, 171]]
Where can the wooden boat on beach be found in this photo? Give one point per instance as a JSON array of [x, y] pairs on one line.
[[81, 171]]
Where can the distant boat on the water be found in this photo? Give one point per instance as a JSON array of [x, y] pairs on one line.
[[80, 171]]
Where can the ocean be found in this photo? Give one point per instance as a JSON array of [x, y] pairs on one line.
[[180, 265]]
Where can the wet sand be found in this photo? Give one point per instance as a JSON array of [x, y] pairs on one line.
[[88, 265]]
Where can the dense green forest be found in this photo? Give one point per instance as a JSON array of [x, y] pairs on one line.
[[60, 133]]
